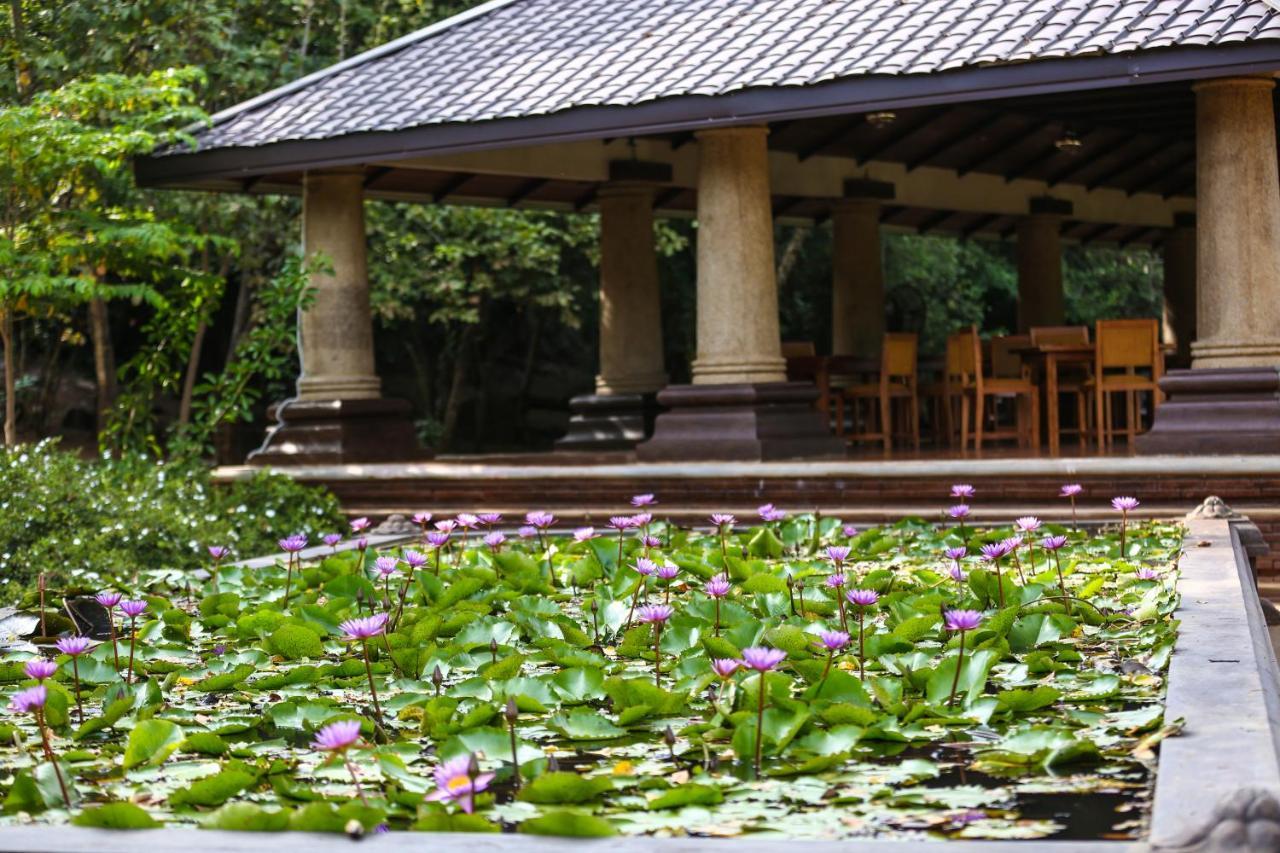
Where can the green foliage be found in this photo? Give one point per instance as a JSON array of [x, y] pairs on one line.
[[116, 816], [293, 642], [63, 514]]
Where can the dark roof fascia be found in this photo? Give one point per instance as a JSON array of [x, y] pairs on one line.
[[694, 112]]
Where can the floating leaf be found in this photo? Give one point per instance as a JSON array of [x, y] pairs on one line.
[[116, 816], [151, 742]]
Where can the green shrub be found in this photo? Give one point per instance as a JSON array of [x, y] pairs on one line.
[[292, 642], [96, 519]]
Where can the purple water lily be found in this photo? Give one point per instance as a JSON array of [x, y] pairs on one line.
[[336, 738], [333, 540], [494, 540], [963, 491], [1072, 491], [838, 554], [75, 646], [959, 621], [32, 701], [657, 616], [718, 587], [363, 629], [831, 642], [132, 609], [218, 553], [291, 545], [360, 525], [762, 660], [40, 668], [1124, 505], [643, 500], [110, 600], [457, 781], [993, 552], [769, 512], [959, 513], [862, 599]]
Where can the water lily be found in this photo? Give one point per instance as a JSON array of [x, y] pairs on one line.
[[438, 539], [643, 500], [955, 554], [337, 738], [964, 491], [40, 668], [458, 780], [333, 540], [75, 646], [762, 660], [959, 621], [1072, 491], [862, 599], [667, 572], [644, 567], [769, 512], [837, 583], [360, 525], [110, 600], [32, 701], [217, 552], [132, 609], [1124, 505], [1051, 545], [724, 668], [993, 552], [291, 545], [622, 523], [959, 513], [657, 616], [723, 522], [363, 629], [831, 642], [718, 587]]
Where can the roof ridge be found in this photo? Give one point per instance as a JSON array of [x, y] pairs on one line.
[[359, 59]]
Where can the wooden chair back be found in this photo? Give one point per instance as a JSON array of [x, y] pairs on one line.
[[1130, 345], [964, 356], [798, 349], [898, 358], [1059, 335], [1005, 363]]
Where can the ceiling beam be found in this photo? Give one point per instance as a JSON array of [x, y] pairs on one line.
[[451, 186], [1128, 164], [526, 189], [1161, 178], [1095, 232], [949, 141], [1024, 130], [891, 212], [1050, 152], [249, 183], [680, 140], [830, 139], [1089, 154], [892, 135], [665, 197], [376, 174], [934, 220], [784, 204], [581, 203], [979, 224]]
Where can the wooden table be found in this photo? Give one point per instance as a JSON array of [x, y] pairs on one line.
[[1052, 357]]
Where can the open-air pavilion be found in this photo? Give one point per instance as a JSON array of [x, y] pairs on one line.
[[1129, 122]]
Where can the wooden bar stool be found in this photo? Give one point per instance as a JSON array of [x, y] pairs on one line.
[[897, 384], [1072, 381], [973, 390], [1128, 361]]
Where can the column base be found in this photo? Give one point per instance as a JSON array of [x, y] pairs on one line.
[[338, 432], [1216, 411], [749, 421], [609, 421]]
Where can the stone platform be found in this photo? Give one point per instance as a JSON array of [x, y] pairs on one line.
[[589, 487]]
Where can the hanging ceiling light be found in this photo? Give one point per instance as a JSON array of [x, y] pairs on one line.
[[1068, 142], [883, 118]]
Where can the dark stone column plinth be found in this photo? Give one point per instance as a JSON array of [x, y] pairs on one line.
[[318, 432], [750, 421], [1217, 411], [609, 421]]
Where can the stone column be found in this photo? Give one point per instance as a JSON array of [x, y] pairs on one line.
[[339, 414], [738, 336], [621, 411], [1040, 299], [857, 270], [1179, 317], [740, 405], [1229, 402], [335, 334], [630, 303]]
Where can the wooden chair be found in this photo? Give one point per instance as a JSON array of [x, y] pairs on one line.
[[973, 390], [897, 383], [804, 366], [1124, 350], [1074, 380]]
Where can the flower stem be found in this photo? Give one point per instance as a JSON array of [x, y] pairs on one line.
[[1075, 525], [53, 759], [288, 580], [1062, 585], [515, 754], [115, 650], [955, 680], [844, 618], [760, 687], [635, 598], [75, 670], [133, 642], [717, 617], [999, 583], [657, 654], [831, 655], [354, 779], [368, 669], [862, 647]]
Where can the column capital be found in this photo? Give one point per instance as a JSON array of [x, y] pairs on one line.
[[639, 172], [737, 130], [1049, 206], [865, 189], [334, 172], [1245, 82]]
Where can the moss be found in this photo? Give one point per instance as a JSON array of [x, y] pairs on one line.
[[259, 624], [293, 642]]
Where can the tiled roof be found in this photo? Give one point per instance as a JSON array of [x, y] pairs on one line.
[[535, 57]]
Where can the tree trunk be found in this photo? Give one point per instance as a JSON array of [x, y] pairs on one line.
[[791, 254], [50, 385], [461, 371], [244, 302], [104, 358], [10, 381], [193, 370], [21, 71]]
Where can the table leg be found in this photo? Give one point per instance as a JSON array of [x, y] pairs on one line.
[[1051, 401]]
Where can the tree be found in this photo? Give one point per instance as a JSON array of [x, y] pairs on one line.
[[70, 230]]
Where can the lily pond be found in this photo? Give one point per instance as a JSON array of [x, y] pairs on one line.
[[785, 676]]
